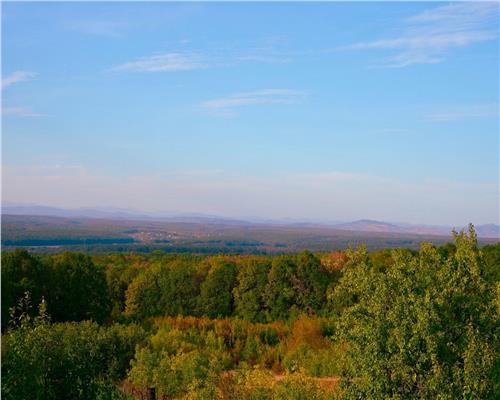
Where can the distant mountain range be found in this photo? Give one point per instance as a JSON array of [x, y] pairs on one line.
[[116, 213], [363, 225]]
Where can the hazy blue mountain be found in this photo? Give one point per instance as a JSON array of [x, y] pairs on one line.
[[362, 225]]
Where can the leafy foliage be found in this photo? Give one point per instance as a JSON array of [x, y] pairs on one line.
[[390, 324], [215, 299], [78, 288], [73, 360], [74, 288], [21, 273], [424, 329], [169, 288], [248, 293]]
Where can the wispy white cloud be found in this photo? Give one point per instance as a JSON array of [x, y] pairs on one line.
[[427, 38], [475, 111], [21, 112], [165, 62], [460, 15], [182, 58], [17, 76], [226, 105], [268, 53]]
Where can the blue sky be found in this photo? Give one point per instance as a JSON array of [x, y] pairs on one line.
[[321, 111]]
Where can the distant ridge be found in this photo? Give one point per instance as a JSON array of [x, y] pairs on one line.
[[362, 225], [368, 225], [115, 213], [488, 230]]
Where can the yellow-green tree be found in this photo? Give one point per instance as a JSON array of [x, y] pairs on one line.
[[424, 328]]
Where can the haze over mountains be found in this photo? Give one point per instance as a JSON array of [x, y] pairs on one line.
[[363, 225]]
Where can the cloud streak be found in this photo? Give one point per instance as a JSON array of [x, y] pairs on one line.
[[226, 105], [164, 62], [16, 77], [428, 37], [182, 59]]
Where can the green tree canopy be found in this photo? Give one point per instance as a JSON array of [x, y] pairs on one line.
[[216, 299], [280, 295], [426, 328], [21, 273], [248, 293], [78, 289]]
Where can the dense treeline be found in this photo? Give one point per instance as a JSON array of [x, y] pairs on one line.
[[72, 285], [255, 288], [389, 324]]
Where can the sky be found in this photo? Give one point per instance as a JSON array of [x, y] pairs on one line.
[[310, 111]]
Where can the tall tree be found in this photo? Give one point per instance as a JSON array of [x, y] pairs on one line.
[[280, 294], [248, 293], [216, 299], [77, 289], [311, 281], [21, 273], [425, 328]]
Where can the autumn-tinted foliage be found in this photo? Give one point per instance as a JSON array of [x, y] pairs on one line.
[[393, 324]]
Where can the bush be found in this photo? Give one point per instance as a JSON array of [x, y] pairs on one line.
[[319, 362], [48, 361], [176, 362], [259, 384], [300, 387]]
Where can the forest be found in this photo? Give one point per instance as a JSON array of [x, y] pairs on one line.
[[352, 324], [51, 235]]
